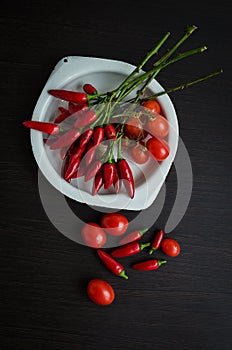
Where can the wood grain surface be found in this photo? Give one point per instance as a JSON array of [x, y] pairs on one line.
[[187, 304]]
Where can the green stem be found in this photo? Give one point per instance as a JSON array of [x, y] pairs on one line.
[[183, 86], [140, 66], [137, 81], [123, 274]]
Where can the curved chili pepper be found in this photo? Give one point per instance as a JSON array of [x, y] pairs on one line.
[[110, 132], [72, 96], [98, 183], [108, 170], [113, 265], [156, 241], [93, 170], [48, 128], [148, 265], [133, 236], [66, 139], [84, 118], [116, 181], [126, 175], [72, 168], [129, 249], [73, 108], [89, 89], [85, 137]]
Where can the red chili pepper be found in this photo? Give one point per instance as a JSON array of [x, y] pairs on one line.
[[129, 249], [110, 132], [84, 118], [157, 241], [62, 116], [126, 175], [72, 168], [133, 236], [116, 181], [89, 89], [90, 154], [49, 128], [65, 165], [148, 265], [108, 170], [93, 170], [73, 108], [114, 266], [72, 96], [98, 183], [66, 139], [85, 137], [98, 135]]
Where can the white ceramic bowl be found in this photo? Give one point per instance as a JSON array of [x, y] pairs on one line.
[[71, 73]]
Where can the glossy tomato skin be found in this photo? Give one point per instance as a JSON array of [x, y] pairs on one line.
[[100, 292], [93, 235], [139, 153], [170, 247], [159, 149], [114, 224], [157, 126], [152, 105], [133, 129]]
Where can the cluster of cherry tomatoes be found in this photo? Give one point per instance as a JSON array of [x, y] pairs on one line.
[[116, 224], [137, 130]]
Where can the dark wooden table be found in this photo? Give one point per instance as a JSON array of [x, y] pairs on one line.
[[187, 304]]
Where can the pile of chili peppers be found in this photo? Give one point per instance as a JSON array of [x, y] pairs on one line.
[[110, 259], [89, 130]]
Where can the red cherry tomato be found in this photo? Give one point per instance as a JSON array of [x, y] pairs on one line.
[[114, 223], [158, 148], [170, 247], [139, 153], [93, 235], [157, 126], [133, 129], [152, 105], [100, 292]]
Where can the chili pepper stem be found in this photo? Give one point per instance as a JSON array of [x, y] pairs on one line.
[[161, 262], [141, 232], [144, 245], [183, 86], [123, 274]]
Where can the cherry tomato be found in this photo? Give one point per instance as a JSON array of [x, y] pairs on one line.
[[133, 129], [158, 148], [152, 105], [170, 247], [139, 153], [157, 126], [114, 223], [100, 292], [93, 235]]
